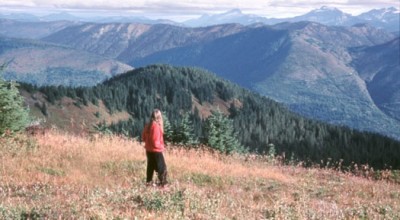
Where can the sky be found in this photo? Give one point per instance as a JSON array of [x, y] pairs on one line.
[[180, 10]]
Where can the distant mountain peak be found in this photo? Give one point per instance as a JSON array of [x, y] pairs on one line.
[[234, 11], [327, 12], [381, 15], [231, 16], [328, 8], [393, 9], [60, 16], [385, 10], [231, 13]]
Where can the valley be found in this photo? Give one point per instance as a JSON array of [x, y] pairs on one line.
[[318, 69]]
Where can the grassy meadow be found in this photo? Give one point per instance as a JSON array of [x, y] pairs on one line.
[[54, 175]]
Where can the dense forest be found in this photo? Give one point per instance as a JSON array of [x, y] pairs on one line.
[[260, 123]]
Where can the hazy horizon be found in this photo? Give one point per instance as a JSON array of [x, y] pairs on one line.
[[184, 10]]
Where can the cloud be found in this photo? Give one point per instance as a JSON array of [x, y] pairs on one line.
[[14, 3], [268, 8], [193, 4]]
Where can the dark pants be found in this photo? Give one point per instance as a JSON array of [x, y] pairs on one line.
[[156, 162]]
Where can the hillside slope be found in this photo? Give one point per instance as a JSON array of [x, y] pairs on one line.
[[48, 64], [31, 30], [379, 66], [260, 122], [56, 175], [130, 41], [304, 65]]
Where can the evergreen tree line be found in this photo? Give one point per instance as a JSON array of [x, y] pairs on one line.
[[257, 121]]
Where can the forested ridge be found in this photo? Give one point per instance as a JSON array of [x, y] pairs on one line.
[[259, 122]]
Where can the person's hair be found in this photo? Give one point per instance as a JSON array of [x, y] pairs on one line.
[[156, 117]]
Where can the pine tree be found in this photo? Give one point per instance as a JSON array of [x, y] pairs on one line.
[[221, 135], [184, 131], [168, 131], [13, 116]]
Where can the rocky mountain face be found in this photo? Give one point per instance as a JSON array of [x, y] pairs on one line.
[[387, 18], [328, 16], [108, 40], [43, 64], [379, 67], [130, 41], [318, 80]]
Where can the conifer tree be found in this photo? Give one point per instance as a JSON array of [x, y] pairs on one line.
[[168, 131], [184, 131], [220, 134], [13, 116]]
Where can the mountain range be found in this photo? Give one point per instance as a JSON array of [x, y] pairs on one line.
[[386, 18], [43, 63], [31, 29], [127, 42], [305, 65], [346, 75], [232, 16]]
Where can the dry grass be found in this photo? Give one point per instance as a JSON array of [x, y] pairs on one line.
[[62, 176], [67, 115]]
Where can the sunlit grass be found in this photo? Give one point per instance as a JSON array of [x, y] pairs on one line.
[[65, 176]]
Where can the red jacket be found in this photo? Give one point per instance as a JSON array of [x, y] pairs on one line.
[[153, 138]]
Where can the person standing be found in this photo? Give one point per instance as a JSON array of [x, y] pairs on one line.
[[152, 136]]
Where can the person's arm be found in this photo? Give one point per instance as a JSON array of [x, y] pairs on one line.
[[157, 137]]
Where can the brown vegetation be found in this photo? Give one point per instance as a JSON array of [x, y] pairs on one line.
[[63, 176]]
